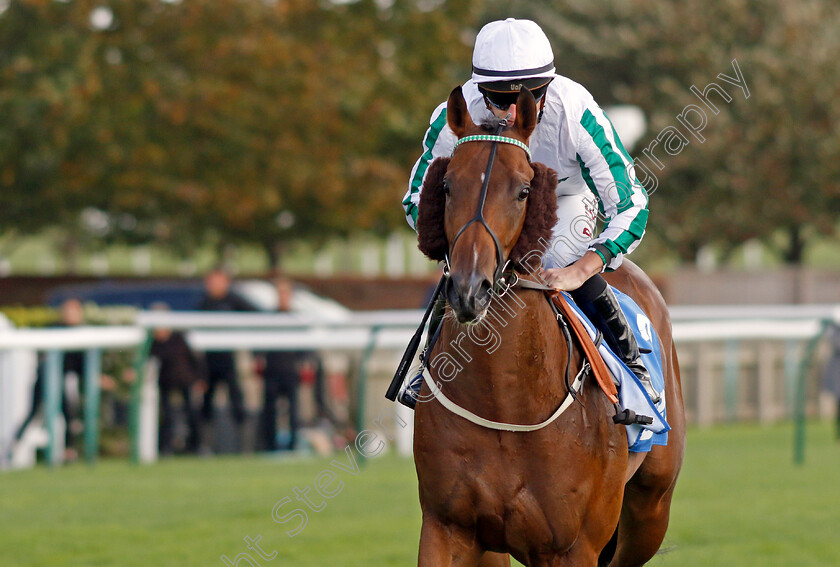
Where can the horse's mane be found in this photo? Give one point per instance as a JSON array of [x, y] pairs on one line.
[[540, 216]]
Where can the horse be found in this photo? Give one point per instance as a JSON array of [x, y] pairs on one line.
[[569, 493]]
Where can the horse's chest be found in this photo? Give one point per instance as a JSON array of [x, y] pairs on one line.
[[510, 489], [521, 491]]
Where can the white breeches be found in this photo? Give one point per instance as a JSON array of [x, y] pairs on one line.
[[575, 229]]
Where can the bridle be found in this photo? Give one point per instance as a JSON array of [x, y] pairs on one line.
[[573, 386], [501, 285], [494, 139]]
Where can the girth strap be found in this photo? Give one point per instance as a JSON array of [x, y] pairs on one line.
[[599, 367]]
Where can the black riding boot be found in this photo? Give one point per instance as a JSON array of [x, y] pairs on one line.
[[596, 299], [409, 394]]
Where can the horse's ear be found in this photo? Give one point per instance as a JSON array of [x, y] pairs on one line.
[[457, 115], [540, 218], [431, 232], [526, 113]]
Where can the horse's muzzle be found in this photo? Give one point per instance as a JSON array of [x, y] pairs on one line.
[[468, 295]]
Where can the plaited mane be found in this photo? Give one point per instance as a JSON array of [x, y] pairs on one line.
[[540, 215]]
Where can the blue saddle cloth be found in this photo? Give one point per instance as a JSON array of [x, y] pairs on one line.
[[631, 393]]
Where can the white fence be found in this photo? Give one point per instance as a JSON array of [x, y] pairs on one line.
[[17, 376], [369, 332]]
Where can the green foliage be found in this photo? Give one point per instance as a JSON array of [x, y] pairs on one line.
[[217, 121], [22, 316], [237, 121], [768, 162], [39, 316]]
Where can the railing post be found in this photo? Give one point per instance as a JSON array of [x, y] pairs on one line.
[[93, 372], [7, 422], [730, 374], [53, 369], [802, 398], [364, 365], [141, 357], [791, 367], [705, 386], [766, 382]]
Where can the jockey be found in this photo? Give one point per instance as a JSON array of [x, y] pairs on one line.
[[575, 138]]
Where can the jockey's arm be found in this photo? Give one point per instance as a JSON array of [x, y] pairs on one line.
[[574, 275], [607, 170], [439, 141]]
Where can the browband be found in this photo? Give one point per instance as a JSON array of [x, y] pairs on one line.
[[493, 138]]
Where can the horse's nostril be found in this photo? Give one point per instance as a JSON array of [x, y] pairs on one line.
[[452, 295], [468, 295], [482, 293]]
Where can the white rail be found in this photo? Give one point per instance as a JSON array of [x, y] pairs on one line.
[[76, 338], [682, 313], [390, 330], [759, 329]]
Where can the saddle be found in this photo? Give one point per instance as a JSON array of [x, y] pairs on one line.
[[641, 434], [600, 372]]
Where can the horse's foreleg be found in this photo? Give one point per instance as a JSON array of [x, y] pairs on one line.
[[445, 545]]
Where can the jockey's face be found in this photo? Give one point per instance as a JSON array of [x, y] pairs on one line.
[[509, 113], [502, 104], [503, 112]]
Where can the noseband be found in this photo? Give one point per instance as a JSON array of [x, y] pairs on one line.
[[494, 139]]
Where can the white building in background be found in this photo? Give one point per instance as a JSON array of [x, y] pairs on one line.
[[629, 122]]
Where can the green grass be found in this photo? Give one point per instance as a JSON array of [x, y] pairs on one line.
[[740, 502]]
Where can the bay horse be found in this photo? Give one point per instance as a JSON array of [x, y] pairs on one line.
[[569, 493]]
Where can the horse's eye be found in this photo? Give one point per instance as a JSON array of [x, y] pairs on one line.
[[446, 187], [523, 193]]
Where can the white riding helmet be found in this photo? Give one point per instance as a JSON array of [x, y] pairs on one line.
[[511, 54]]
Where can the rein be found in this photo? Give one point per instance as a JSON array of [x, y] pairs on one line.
[[502, 282], [501, 265], [573, 387]]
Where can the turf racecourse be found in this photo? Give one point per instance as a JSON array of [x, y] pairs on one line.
[[740, 502]]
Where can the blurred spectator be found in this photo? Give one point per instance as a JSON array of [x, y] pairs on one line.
[[221, 366], [831, 377], [179, 372], [281, 371], [72, 315]]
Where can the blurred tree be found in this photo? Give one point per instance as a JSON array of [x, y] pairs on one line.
[[260, 122], [768, 164], [263, 122]]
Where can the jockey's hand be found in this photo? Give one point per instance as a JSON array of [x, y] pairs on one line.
[[574, 275]]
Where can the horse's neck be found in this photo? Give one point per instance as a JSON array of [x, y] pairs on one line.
[[511, 364]]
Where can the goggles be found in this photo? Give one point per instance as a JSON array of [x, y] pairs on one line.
[[503, 100]]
